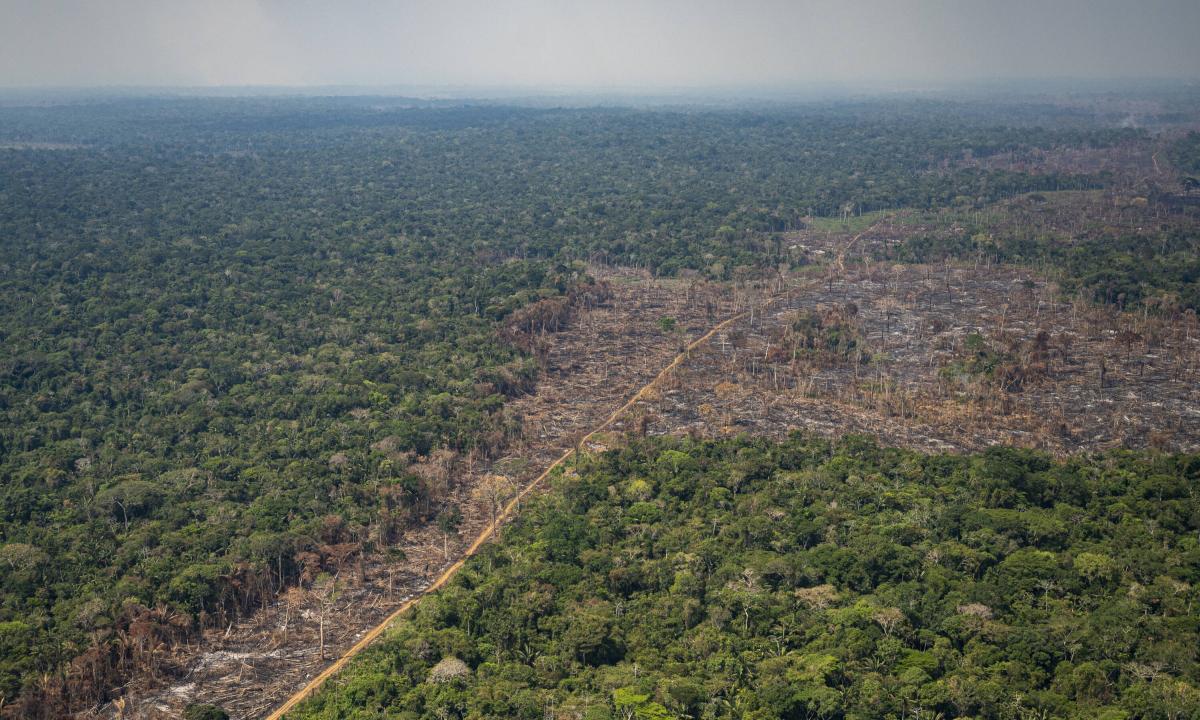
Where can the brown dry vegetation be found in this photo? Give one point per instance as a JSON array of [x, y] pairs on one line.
[[1061, 376]]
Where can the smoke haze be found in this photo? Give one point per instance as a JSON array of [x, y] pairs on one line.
[[572, 43]]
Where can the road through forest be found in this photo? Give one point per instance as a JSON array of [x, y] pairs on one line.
[[505, 515], [513, 504]]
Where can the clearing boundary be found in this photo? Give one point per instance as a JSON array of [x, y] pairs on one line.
[[509, 509]]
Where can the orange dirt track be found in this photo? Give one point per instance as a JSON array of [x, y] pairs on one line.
[[487, 532]]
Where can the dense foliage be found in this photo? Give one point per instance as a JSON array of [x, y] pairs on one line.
[[665, 189], [229, 326], [743, 579]]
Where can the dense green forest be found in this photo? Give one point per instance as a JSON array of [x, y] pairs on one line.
[[744, 579], [230, 327], [658, 188]]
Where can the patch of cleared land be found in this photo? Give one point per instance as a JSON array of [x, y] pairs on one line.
[[951, 357]]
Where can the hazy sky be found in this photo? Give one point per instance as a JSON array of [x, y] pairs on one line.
[[624, 43]]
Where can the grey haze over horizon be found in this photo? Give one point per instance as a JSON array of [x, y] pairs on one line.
[[577, 44]]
